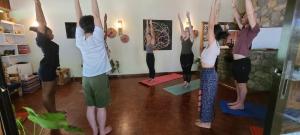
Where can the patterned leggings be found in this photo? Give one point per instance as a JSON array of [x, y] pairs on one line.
[[209, 80]]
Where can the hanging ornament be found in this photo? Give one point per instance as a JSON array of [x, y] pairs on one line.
[[111, 33], [124, 38]]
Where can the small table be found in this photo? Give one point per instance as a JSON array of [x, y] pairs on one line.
[[63, 76]]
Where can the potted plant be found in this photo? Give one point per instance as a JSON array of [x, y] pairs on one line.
[[115, 66], [47, 121]]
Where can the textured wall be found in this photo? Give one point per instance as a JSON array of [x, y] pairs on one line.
[[270, 13], [262, 63]]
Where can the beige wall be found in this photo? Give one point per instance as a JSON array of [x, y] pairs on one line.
[[130, 55]]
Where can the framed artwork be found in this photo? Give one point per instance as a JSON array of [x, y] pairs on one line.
[[5, 4], [163, 34], [232, 30], [70, 29]]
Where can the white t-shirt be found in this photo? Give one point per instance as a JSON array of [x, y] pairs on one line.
[[210, 54], [93, 51]]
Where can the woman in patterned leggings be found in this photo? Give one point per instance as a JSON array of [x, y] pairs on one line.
[[209, 79]]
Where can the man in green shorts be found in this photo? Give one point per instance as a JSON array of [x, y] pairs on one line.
[[90, 41]]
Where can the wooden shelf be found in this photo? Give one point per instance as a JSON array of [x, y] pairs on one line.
[[18, 55], [11, 23], [7, 44], [12, 34]]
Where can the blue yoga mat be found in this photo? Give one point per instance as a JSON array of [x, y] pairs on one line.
[[251, 110], [292, 114], [179, 89]]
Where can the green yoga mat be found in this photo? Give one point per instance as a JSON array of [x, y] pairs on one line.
[[179, 89]]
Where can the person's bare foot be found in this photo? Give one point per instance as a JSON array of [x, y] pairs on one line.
[[239, 106], [184, 84], [206, 125], [151, 80], [187, 85], [108, 129], [233, 103]]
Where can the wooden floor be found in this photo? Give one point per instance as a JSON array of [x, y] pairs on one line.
[[138, 110]]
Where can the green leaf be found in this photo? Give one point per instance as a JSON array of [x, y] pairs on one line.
[[51, 121], [48, 123], [54, 116], [30, 111], [73, 129], [20, 127], [19, 124]]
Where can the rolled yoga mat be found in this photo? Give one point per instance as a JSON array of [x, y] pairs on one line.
[[179, 89], [161, 79]]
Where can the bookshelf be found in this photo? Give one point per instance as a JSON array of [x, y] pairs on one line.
[[14, 52]]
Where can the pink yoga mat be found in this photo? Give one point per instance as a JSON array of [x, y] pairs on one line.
[[161, 79]]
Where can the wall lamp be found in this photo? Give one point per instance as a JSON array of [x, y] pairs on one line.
[[120, 27]]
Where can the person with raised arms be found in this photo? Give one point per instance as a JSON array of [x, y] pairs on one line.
[[241, 66], [209, 77], [90, 41]]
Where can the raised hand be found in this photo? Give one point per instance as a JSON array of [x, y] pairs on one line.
[[233, 3], [105, 17], [188, 14]]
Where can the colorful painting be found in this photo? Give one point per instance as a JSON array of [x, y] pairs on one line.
[[163, 34]]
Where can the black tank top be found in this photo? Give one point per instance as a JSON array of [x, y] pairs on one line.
[[186, 46], [50, 50]]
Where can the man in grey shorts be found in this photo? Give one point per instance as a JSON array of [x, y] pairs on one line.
[[90, 41]]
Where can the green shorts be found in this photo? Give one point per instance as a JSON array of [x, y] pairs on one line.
[[96, 91]]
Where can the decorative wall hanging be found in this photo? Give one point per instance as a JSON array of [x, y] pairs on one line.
[[124, 38], [163, 34], [111, 33]]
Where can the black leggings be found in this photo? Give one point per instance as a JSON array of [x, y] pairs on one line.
[[186, 61], [150, 63]]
